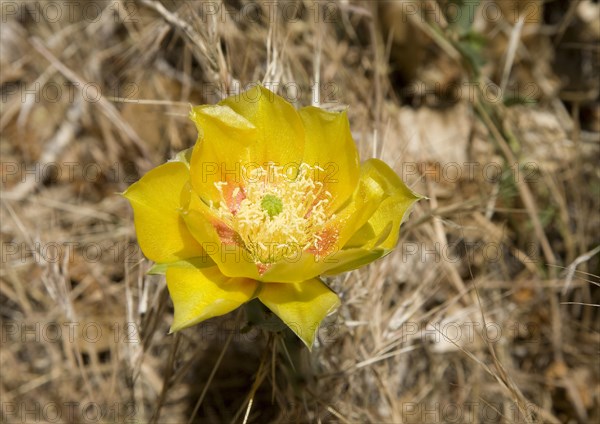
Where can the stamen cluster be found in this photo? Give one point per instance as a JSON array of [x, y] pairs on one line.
[[277, 213]]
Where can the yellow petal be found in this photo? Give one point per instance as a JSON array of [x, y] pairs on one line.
[[202, 293], [198, 262], [377, 207], [383, 227], [184, 156], [299, 266], [280, 134], [349, 259], [329, 145], [223, 145], [369, 225], [364, 202], [301, 306], [218, 241], [156, 201]]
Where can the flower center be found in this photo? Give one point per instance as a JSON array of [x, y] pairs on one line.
[[272, 204], [277, 215]]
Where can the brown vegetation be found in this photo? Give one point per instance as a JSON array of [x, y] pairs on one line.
[[488, 310]]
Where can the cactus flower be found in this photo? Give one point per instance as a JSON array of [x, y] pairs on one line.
[[268, 200]]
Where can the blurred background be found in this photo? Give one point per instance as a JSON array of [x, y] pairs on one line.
[[487, 311]]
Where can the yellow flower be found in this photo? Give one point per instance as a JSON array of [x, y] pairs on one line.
[[269, 199]]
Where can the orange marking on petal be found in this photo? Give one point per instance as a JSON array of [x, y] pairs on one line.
[[233, 196], [319, 197], [226, 234], [326, 242], [262, 268]]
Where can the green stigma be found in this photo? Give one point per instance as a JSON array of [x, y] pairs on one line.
[[272, 204]]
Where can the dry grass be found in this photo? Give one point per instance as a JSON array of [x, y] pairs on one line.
[[488, 310]]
